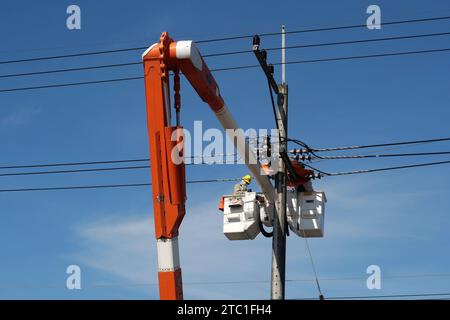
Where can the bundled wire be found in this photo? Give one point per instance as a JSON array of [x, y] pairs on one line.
[[307, 151]]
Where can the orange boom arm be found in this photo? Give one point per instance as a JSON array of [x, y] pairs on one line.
[[168, 176]]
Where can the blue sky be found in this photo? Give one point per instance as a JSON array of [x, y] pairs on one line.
[[398, 220]]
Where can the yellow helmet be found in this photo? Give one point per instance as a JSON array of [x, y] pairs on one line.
[[247, 179]]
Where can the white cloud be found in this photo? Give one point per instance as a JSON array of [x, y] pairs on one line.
[[360, 223], [18, 116], [125, 248], [120, 247]]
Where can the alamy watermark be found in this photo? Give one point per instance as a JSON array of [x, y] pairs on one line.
[[73, 21], [73, 281], [374, 279], [212, 146], [374, 20]]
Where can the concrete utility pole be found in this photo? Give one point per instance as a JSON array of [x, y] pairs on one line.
[[279, 223]]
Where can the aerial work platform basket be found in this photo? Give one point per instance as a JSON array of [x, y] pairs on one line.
[[306, 213], [241, 215], [244, 215]]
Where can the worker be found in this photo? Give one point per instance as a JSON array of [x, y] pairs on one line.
[[241, 187]]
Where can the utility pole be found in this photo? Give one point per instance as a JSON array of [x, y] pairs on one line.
[[284, 164], [279, 223]]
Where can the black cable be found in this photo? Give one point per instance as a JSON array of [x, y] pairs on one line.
[[389, 296], [363, 156], [248, 36], [60, 85], [232, 68], [313, 151], [70, 70], [313, 265], [322, 173], [72, 171], [73, 55], [300, 143], [379, 145], [64, 164], [263, 231], [86, 170], [345, 173], [315, 45], [223, 54], [109, 186], [80, 54], [76, 187], [135, 284], [380, 55], [273, 106]]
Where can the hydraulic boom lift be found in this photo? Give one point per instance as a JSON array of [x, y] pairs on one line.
[[166, 141]]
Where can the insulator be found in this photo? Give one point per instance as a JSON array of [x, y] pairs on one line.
[[256, 40]]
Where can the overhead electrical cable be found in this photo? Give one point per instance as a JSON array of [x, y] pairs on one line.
[[105, 66], [72, 171], [10, 174], [70, 84], [108, 66], [299, 31], [385, 296], [248, 36], [345, 173], [313, 265], [64, 164], [108, 186], [423, 141], [364, 156], [336, 43]]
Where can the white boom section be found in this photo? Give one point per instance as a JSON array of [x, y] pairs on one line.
[[244, 151], [168, 254]]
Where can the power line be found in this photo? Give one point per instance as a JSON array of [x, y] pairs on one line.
[[314, 45], [60, 85], [232, 68], [13, 75], [273, 105], [237, 282], [345, 173], [23, 74], [313, 265], [434, 294], [110, 186], [364, 156], [222, 39], [248, 36], [72, 171], [147, 166], [65, 164], [374, 145], [73, 55], [380, 55], [90, 53], [89, 170], [304, 158]]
